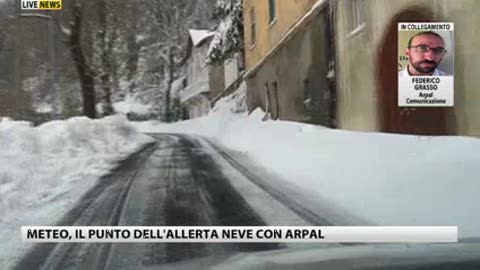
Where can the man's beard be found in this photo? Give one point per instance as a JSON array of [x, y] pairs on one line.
[[428, 70]]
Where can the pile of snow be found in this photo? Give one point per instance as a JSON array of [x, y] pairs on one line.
[[130, 105], [44, 170], [379, 256], [236, 103], [386, 179], [43, 108]]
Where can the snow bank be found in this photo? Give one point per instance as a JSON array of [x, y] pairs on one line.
[[130, 105], [44, 170], [380, 256], [387, 179], [43, 108]]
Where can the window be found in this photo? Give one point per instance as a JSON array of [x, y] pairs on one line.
[[271, 10], [357, 19], [253, 32]]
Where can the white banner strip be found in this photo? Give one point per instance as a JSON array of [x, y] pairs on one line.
[[411, 93], [426, 26], [244, 234]]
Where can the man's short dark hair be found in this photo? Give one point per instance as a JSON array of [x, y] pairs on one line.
[[421, 34]]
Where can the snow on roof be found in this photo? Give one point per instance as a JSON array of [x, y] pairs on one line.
[[193, 90], [198, 36], [177, 86]]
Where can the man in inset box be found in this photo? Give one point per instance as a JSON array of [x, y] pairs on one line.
[[425, 52]]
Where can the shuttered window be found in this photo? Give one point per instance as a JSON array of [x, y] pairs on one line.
[[271, 10]]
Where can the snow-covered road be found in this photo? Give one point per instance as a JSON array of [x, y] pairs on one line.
[[181, 180]]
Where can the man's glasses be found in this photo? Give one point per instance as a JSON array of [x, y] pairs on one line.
[[425, 49]]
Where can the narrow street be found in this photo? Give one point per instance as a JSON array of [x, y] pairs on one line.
[[176, 181]]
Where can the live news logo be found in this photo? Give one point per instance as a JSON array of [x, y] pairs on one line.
[[41, 4]]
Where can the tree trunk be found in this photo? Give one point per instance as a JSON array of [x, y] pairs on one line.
[[85, 74], [132, 45], [168, 111], [107, 94], [105, 61]]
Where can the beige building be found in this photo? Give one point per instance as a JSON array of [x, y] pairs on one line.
[[267, 22], [366, 45], [287, 54], [335, 63]]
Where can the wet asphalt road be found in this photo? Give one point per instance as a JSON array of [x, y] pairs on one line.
[[173, 182]]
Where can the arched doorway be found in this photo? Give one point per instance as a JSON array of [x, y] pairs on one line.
[[394, 119]]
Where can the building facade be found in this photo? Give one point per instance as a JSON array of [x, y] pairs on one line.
[[335, 63], [203, 81], [366, 46], [288, 54]]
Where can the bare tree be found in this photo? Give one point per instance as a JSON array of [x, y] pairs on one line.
[[140, 42], [85, 73], [132, 23], [105, 50], [171, 20]]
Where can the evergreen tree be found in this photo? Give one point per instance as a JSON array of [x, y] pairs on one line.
[[228, 39]]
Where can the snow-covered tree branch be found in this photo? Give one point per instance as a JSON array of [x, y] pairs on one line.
[[228, 38]]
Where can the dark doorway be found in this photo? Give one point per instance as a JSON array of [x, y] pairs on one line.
[[276, 104], [394, 119]]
